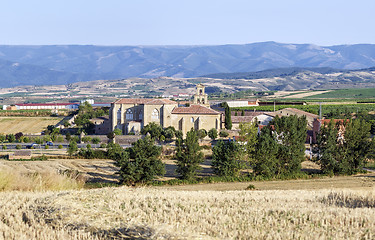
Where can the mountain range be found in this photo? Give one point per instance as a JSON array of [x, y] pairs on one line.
[[66, 64]]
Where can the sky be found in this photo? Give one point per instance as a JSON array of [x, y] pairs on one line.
[[186, 22]]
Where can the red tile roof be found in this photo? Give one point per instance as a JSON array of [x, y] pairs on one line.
[[194, 109], [148, 101], [133, 100], [160, 102], [300, 112], [238, 119], [45, 104]]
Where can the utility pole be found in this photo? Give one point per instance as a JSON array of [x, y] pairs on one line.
[[274, 106], [320, 110]]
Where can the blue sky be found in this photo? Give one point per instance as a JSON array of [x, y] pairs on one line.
[[186, 22]]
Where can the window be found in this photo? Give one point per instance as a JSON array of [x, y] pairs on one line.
[[140, 115], [129, 114], [192, 119], [119, 114], [155, 114]]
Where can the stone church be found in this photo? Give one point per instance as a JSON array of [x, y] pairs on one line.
[[132, 114]]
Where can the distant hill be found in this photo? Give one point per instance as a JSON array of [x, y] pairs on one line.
[[64, 64]]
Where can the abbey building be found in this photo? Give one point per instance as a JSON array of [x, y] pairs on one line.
[[132, 114]]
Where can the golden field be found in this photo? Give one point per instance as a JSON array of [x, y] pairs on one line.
[[161, 213], [26, 125]]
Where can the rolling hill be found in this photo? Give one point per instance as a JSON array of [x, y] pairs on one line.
[[65, 64]]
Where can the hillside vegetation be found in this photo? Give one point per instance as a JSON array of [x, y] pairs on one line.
[[156, 213]]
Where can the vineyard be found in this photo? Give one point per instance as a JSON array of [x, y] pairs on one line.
[[326, 108]]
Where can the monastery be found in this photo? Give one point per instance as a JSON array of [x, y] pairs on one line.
[[130, 115]]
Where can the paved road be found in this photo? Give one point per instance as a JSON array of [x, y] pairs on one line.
[[54, 146]]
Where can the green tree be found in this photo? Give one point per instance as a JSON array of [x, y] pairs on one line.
[[202, 133], [2, 138], [155, 130], [188, 155], [72, 148], [228, 118], [95, 140], [328, 156], [225, 159], [18, 146], [68, 136], [266, 162], [142, 164], [169, 133], [249, 133], [356, 146], [223, 133], [11, 138], [242, 112], [117, 131], [212, 133]]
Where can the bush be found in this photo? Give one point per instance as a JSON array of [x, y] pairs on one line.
[[95, 140], [60, 146], [4, 147], [103, 145], [46, 147], [18, 146], [212, 133], [117, 131], [223, 133], [86, 139]]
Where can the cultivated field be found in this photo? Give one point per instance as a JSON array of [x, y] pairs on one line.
[[26, 125], [159, 213]]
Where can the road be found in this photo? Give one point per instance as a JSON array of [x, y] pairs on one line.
[[54, 146]]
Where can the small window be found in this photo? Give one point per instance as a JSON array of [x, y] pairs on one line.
[[119, 114], [155, 114], [192, 119]]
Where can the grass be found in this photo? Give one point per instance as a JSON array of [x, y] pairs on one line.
[[357, 93], [10, 181], [26, 124], [149, 213]]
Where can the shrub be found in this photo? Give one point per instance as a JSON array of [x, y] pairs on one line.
[[60, 146], [103, 145], [212, 133], [95, 140], [223, 133], [46, 147], [86, 139], [18, 146]]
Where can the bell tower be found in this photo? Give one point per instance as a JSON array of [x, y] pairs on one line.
[[200, 97]]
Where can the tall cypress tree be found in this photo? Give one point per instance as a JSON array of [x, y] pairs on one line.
[[228, 118]]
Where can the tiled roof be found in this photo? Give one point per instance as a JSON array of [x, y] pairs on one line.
[[300, 112], [194, 109], [327, 121], [148, 101], [238, 119], [133, 100], [45, 104], [161, 102]]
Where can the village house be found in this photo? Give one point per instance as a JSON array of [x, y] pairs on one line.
[[131, 115]]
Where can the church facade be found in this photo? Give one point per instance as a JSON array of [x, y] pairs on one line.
[[131, 115]]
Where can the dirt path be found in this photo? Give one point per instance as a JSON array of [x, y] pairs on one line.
[[363, 181]]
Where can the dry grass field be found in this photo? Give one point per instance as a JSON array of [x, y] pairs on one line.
[[26, 125], [327, 208], [159, 213]]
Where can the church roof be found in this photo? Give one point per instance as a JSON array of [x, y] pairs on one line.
[[148, 101], [160, 102], [194, 109]]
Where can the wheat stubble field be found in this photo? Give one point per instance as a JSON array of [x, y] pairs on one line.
[[159, 213], [325, 208]]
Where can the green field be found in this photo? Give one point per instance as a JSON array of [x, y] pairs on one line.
[[359, 93], [326, 108]]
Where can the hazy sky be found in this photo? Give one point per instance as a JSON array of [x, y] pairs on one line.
[[186, 22]]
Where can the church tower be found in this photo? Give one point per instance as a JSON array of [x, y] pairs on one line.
[[200, 97]]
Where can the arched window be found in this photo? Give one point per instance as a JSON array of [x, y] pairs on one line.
[[192, 119], [155, 114], [129, 114], [200, 91], [119, 114]]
